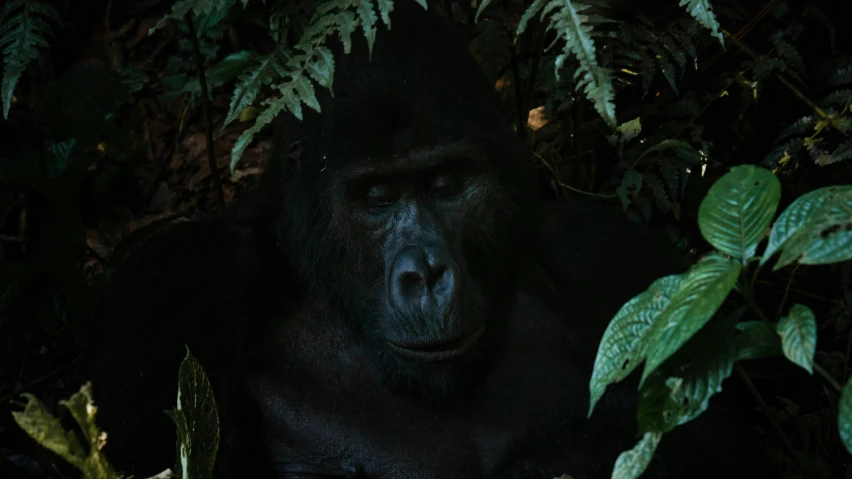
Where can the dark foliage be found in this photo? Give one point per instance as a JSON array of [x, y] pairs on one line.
[[396, 301]]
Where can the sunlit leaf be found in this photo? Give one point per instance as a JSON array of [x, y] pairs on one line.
[[621, 349], [738, 209], [702, 291]]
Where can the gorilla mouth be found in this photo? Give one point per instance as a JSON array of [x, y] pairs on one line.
[[439, 350]]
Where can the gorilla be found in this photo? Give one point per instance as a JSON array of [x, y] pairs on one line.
[[395, 300]]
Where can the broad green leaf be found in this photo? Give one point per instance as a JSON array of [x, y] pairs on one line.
[[798, 333], [757, 340], [826, 236], [631, 464], [844, 416], [797, 215], [197, 419], [702, 12], [738, 210], [681, 390], [702, 291], [621, 348]]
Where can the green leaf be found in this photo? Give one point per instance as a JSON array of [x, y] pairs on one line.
[[702, 11], [756, 340], [631, 464], [797, 215], [798, 333], [815, 229], [197, 419], [621, 349], [844, 416], [681, 390], [738, 210], [702, 291]]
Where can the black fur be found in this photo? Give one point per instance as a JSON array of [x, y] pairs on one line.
[[287, 303]]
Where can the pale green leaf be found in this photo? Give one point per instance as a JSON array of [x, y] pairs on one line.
[[702, 291], [621, 349], [631, 464], [702, 12], [798, 332], [738, 209]]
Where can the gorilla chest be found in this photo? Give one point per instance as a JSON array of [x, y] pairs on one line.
[[325, 412]]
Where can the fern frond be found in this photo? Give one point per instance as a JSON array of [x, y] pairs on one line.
[[843, 74], [575, 28], [198, 7], [765, 66], [250, 82], [781, 153], [841, 98], [23, 30], [798, 127], [791, 56], [702, 12]]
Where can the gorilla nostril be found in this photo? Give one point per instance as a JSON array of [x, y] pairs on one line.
[[411, 283]]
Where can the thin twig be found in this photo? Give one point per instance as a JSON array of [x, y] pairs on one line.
[[208, 114]]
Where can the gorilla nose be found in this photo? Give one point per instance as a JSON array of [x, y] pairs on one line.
[[423, 278]]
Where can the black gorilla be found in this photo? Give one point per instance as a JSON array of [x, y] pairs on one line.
[[395, 302]]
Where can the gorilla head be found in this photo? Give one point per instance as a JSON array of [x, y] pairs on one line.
[[410, 204]]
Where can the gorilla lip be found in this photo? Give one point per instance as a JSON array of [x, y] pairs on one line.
[[437, 350]]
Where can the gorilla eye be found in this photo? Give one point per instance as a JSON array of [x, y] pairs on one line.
[[447, 184], [381, 195]]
